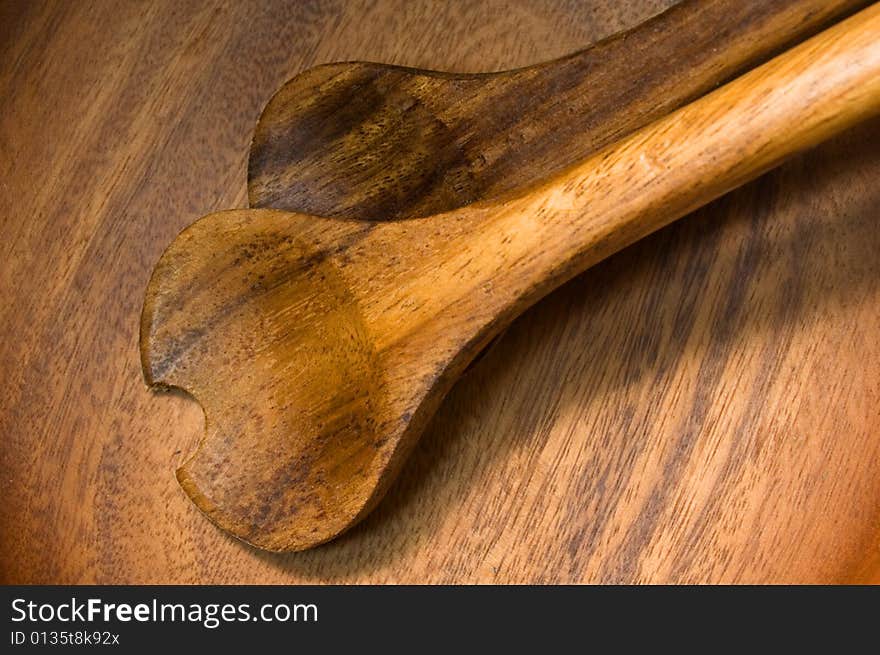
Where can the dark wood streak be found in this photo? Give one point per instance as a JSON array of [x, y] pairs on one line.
[[624, 565]]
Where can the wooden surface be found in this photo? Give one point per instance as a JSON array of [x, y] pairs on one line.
[[701, 407], [319, 349]]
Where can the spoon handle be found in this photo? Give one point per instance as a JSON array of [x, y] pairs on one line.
[[627, 190], [693, 155]]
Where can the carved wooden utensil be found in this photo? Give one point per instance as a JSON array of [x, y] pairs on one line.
[[377, 142], [319, 348]]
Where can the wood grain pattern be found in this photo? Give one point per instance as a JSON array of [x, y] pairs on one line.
[[377, 142], [319, 349], [122, 123]]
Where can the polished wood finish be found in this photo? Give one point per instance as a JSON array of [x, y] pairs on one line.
[[377, 142], [733, 436], [320, 348]]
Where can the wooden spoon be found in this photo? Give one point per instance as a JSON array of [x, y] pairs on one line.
[[319, 348], [377, 142]]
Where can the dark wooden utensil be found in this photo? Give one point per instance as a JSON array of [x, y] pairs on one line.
[[378, 142], [319, 348]]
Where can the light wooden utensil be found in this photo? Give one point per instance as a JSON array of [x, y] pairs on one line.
[[377, 142], [319, 348]]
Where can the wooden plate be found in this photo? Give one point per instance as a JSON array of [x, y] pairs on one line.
[[702, 407]]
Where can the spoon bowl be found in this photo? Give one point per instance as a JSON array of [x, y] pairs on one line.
[[275, 319]]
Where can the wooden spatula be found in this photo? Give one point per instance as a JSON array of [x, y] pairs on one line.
[[377, 142], [319, 348]]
